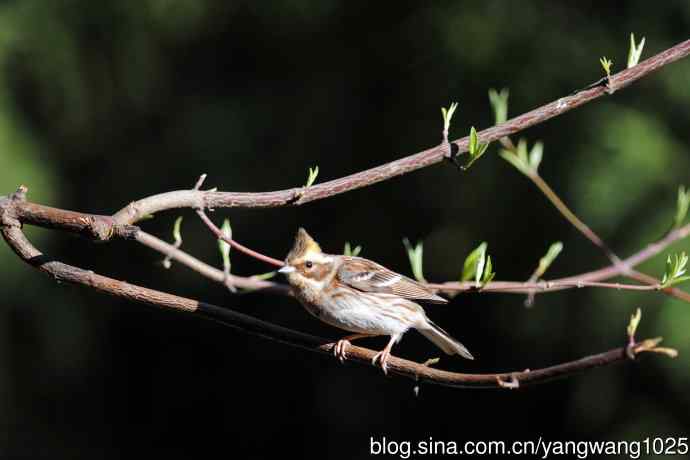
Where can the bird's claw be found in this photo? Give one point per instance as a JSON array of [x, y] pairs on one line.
[[340, 349], [382, 358]]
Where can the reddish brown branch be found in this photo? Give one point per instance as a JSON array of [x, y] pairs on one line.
[[221, 236], [81, 223], [608, 272], [212, 273], [15, 238], [625, 270], [196, 199], [91, 226]]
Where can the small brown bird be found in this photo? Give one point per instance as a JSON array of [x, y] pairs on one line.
[[361, 296]]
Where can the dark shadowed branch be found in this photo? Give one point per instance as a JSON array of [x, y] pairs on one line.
[[15, 238]]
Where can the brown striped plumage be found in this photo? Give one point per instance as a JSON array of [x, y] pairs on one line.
[[363, 297]]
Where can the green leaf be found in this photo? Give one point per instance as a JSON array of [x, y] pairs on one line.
[[352, 252], [430, 362], [606, 64], [474, 264], [634, 322], [535, 155], [635, 51], [676, 267], [177, 237], [473, 141], [522, 151], [224, 247], [264, 276], [313, 174], [448, 115], [478, 267], [681, 207], [546, 261], [475, 149], [499, 104], [415, 254], [514, 160], [177, 231], [489, 274], [526, 163]]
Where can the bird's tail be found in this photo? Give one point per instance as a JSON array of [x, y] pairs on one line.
[[443, 340]]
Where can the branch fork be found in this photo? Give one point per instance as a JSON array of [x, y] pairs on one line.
[[511, 384], [634, 348]]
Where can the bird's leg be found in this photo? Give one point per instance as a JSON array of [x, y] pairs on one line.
[[339, 349], [383, 355]]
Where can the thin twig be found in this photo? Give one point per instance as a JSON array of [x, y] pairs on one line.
[[86, 224], [556, 285], [206, 270], [572, 218], [222, 236], [625, 269], [528, 287], [200, 181]]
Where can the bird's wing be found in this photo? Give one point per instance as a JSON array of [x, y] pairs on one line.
[[367, 276]]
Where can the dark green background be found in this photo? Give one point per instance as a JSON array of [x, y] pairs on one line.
[[102, 103]]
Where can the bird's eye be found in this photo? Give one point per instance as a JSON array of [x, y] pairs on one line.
[[308, 264]]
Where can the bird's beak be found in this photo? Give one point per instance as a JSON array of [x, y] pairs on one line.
[[287, 269]]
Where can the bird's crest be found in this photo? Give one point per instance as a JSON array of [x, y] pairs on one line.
[[304, 244]]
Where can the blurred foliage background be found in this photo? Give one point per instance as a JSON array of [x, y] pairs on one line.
[[102, 103]]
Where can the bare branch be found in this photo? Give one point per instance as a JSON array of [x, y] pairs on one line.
[[297, 196], [206, 270], [611, 271], [570, 216], [625, 269], [15, 238], [82, 223], [221, 236]]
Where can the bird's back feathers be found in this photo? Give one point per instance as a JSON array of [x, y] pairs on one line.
[[367, 276]]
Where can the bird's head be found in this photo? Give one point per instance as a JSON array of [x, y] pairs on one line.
[[306, 265]]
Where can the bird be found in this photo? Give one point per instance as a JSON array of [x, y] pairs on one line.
[[362, 297]]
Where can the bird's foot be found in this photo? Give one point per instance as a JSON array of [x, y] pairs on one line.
[[382, 358], [340, 349]]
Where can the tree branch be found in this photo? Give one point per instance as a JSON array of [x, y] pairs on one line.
[[250, 252], [611, 271], [95, 227], [197, 199], [10, 226], [594, 238], [206, 270]]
